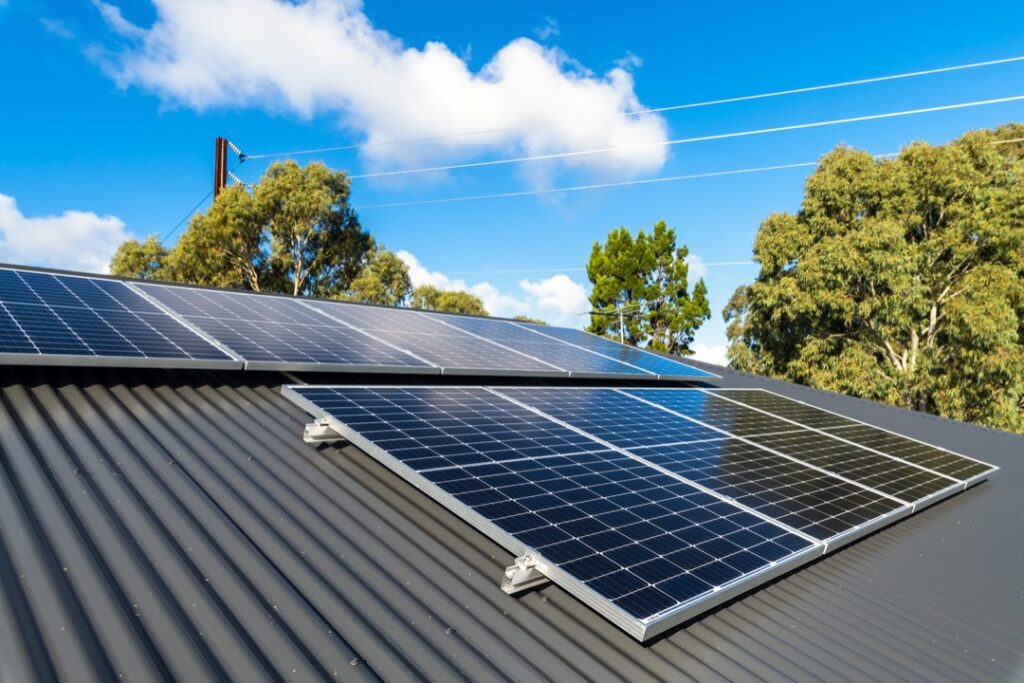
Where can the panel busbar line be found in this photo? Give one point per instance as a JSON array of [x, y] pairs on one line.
[[907, 482], [51, 318], [642, 547], [941, 461], [824, 505], [276, 333]]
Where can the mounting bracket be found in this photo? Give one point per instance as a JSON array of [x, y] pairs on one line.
[[320, 431], [526, 573]]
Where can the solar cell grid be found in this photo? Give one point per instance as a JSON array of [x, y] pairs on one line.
[[665, 367], [923, 455], [646, 542], [611, 416], [65, 317], [270, 331], [565, 356], [436, 342], [867, 468]]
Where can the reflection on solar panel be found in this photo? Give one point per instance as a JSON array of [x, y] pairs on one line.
[[577, 361], [75, 320], [641, 546], [650, 505], [666, 368], [276, 332], [817, 502], [939, 460], [904, 481], [440, 344]]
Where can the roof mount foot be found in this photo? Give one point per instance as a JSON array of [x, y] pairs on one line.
[[525, 574], [320, 431]]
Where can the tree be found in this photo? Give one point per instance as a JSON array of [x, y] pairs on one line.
[[430, 298], [898, 280], [384, 280], [528, 319], [224, 247], [646, 278], [317, 246], [139, 260], [294, 233]]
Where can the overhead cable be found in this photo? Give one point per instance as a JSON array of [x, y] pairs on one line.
[[643, 112]]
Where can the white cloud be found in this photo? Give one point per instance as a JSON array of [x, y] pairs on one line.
[[325, 56], [559, 300], [547, 30], [697, 268], [711, 353], [76, 240]]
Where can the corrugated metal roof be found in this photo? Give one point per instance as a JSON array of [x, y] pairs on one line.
[[173, 525]]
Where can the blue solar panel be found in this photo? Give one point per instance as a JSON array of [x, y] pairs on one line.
[[814, 501], [54, 318], [905, 481], [641, 546], [652, 362], [922, 455], [271, 332], [577, 361], [440, 344]]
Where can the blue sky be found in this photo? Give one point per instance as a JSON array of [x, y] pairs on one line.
[[110, 111]]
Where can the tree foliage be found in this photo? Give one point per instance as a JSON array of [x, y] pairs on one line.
[[294, 233], [139, 260], [384, 280], [528, 319], [899, 280], [430, 298], [647, 278]]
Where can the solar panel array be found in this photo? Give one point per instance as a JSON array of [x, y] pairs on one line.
[[58, 318], [650, 505], [67, 319]]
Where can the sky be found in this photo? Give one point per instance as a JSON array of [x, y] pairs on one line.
[[110, 110]]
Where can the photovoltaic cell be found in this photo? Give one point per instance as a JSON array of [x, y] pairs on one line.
[[435, 342], [664, 367], [276, 332], [650, 546], [67, 318], [577, 361], [815, 502], [923, 455], [907, 482]]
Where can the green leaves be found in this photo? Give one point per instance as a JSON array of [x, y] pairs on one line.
[[430, 298], [645, 280], [898, 280]]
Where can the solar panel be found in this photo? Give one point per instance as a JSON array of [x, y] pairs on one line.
[[48, 318], [665, 368], [938, 460], [904, 481], [578, 361], [822, 504], [639, 545], [280, 333], [650, 505], [443, 345]]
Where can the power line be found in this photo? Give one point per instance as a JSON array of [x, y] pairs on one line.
[[526, 271], [682, 141], [644, 112], [597, 186], [205, 197]]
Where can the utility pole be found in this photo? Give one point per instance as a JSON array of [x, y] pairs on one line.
[[220, 166]]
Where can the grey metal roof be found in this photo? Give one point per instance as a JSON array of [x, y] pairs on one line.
[[173, 525]]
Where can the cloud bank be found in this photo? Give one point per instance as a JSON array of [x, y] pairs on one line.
[[75, 240], [558, 300], [326, 57]]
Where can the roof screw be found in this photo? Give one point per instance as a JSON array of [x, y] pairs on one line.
[[354, 661]]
